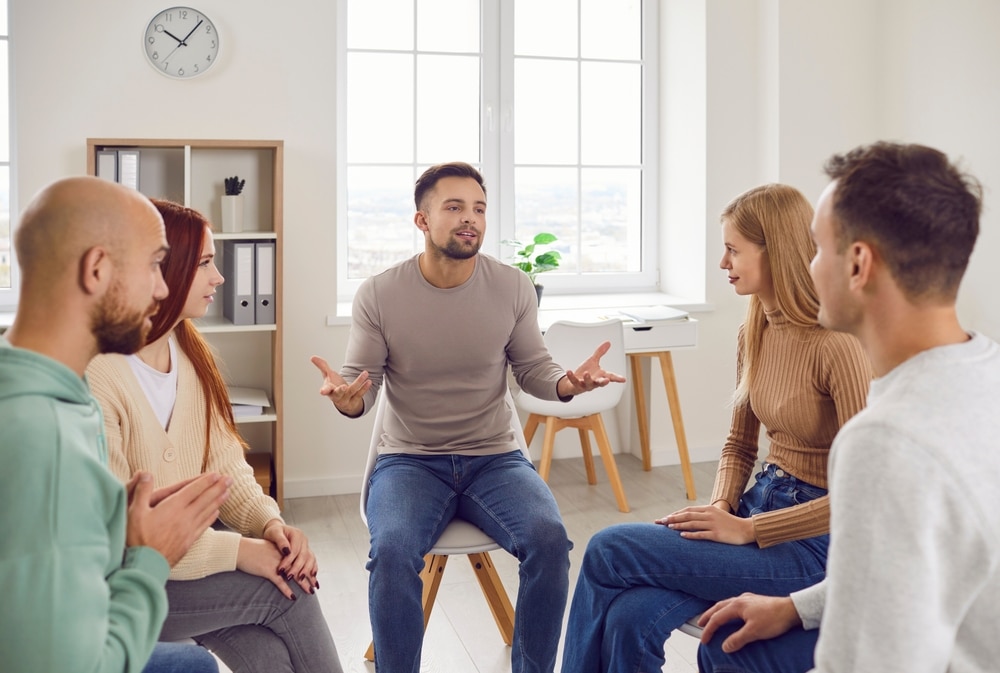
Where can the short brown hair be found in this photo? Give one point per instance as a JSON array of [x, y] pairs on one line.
[[917, 209], [430, 177]]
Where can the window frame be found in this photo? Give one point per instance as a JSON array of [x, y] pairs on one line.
[[9, 296], [497, 149]]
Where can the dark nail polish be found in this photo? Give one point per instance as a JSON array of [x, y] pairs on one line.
[[285, 551], [294, 597], [317, 584], [302, 577]]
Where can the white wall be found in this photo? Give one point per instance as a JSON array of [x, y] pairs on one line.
[[787, 83]]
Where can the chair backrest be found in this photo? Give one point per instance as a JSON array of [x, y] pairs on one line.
[[570, 343], [377, 427]]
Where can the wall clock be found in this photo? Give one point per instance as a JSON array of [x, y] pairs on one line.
[[181, 42]]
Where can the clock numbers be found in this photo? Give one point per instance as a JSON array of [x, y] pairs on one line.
[[181, 42]]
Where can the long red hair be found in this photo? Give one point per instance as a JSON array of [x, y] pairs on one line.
[[186, 229]]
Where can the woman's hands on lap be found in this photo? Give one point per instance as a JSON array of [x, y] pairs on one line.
[[298, 562], [710, 522], [262, 558]]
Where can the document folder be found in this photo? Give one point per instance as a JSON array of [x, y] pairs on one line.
[[264, 295], [238, 290], [128, 168], [107, 165]]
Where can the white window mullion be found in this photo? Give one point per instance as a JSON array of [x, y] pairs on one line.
[[505, 121], [491, 127]]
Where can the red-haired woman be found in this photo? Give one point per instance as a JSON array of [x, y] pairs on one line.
[[247, 593]]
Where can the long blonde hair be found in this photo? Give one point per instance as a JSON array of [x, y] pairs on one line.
[[775, 217]]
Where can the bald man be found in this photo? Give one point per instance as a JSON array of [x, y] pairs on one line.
[[83, 561]]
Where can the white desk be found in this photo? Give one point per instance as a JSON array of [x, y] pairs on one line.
[[653, 340]]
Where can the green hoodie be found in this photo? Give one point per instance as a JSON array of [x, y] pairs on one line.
[[73, 597]]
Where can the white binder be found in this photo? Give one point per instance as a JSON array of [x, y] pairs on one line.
[[238, 290], [264, 290]]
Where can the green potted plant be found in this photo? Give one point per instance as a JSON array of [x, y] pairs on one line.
[[535, 258]]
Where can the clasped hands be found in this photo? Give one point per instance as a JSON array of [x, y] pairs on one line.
[[349, 397], [281, 555]]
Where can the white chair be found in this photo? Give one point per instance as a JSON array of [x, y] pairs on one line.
[[460, 537], [691, 627], [570, 343]]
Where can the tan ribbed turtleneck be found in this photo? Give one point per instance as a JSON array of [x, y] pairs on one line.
[[809, 382]]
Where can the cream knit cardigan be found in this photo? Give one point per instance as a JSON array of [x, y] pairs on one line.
[[136, 441]]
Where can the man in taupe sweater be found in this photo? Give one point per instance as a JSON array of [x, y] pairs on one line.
[[439, 331]]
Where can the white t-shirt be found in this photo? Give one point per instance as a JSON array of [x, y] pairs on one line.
[[160, 388]]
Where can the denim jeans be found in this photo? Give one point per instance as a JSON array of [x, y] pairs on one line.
[[789, 653], [412, 498], [180, 658], [640, 581], [250, 625]]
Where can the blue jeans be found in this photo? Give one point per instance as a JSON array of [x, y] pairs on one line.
[[412, 498], [640, 581], [789, 653], [180, 658]]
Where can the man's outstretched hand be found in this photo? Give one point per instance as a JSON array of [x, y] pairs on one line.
[[347, 397], [589, 375]]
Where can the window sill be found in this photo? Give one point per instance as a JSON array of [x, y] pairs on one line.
[[576, 302]]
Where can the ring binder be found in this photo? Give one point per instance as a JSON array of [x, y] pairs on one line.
[[238, 290], [264, 294]]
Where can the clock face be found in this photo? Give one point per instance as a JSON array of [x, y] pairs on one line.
[[181, 42]]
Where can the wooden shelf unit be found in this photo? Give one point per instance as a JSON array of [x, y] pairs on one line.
[[192, 172]]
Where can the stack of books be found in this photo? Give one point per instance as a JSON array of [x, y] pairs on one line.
[[248, 401], [653, 314]]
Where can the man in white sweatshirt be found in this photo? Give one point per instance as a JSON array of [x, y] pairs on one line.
[[913, 576]]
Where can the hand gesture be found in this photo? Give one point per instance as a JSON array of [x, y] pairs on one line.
[[170, 519], [588, 375], [298, 561], [763, 617], [348, 398], [710, 523]]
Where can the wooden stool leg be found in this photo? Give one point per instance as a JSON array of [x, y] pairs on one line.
[[530, 426], [639, 398], [597, 423], [496, 595], [670, 382], [431, 576], [588, 456], [548, 445]]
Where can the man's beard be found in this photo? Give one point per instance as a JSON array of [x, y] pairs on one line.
[[455, 250], [116, 328]]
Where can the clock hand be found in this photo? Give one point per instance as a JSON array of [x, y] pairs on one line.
[[184, 41], [179, 40], [167, 57]]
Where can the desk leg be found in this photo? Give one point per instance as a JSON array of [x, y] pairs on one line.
[[639, 393], [670, 383]]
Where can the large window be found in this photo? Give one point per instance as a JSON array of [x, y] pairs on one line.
[[7, 287], [554, 100]]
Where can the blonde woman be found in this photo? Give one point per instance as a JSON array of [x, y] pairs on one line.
[[247, 593], [638, 582]]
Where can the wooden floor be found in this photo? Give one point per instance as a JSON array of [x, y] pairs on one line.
[[462, 637]]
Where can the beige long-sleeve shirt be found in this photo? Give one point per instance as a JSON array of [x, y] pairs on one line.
[[810, 381], [137, 441], [443, 356]]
